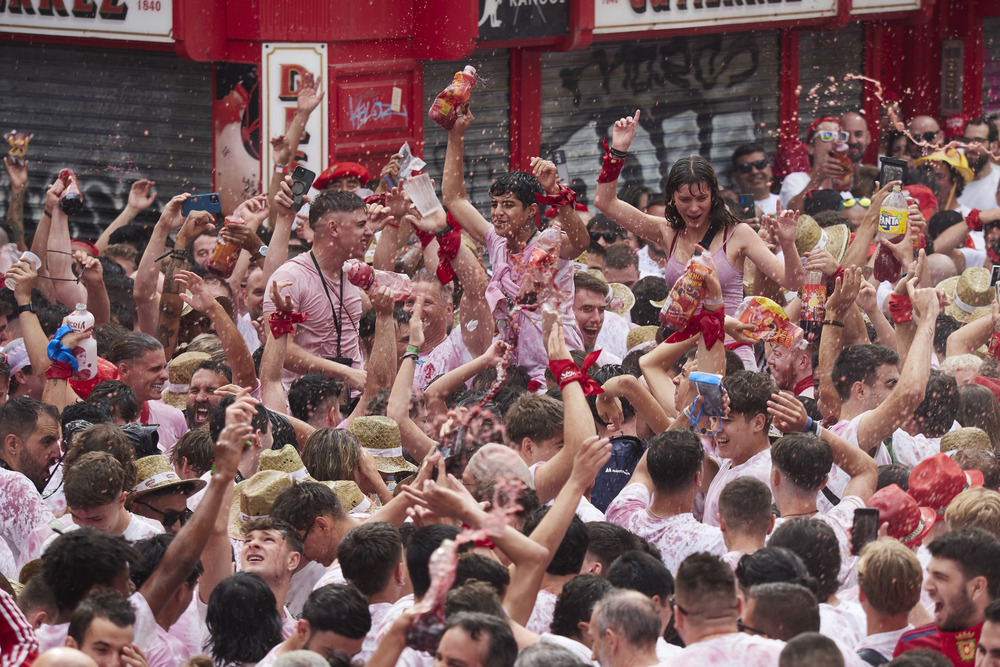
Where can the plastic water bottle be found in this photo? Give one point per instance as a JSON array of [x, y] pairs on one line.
[[364, 276], [443, 110], [813, 299], [85, 351], [686, 295], [892, 220], [224, 256]]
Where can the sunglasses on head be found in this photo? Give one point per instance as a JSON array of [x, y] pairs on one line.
[[864, 202], [170, 517], [746, 167], [609, 237], [829, 135]]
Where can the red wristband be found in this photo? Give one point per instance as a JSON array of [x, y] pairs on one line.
[[282, 322], [973, 220], [611, 166], [711, 324], [900, 308], [565, 197], [995, 345], [59, 370], [566, 372]]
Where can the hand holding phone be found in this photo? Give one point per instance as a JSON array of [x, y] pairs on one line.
[[709, 388], [208, 202], [302, 180], [893, 169]]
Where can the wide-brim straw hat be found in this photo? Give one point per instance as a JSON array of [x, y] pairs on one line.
[[810, 236], [254, 497], [155, 473], [640, 336], [620, 299], [970, 294], [224, 301], [952, 157], [350, 496], [285, 460], [968, 437], [380, 436], [180, 369]]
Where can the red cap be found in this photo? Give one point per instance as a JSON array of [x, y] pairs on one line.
[[908, 522], [989, 383], [341, 170], [105, 371], [936, 481]]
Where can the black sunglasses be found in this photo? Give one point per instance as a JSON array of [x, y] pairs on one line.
[[170, 517], [743, 627], [609, 237], [926, 136], [746, 167]]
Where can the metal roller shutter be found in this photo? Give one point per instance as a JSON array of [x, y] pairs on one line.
[[487, 143], [704, 95], [824, 59], [991, 66], [112, 116]]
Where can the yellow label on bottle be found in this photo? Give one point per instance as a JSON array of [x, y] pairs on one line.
[[893, 221]]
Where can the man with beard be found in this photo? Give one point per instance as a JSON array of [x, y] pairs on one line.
[[792, 369], [202, 396], [981, 192], [859, 137], [963, 576]]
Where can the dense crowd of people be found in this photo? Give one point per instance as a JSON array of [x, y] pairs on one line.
[[380, 436]]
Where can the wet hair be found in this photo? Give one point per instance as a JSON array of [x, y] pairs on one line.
[[419, 550], [894, 473], [986, 463], [477, 567], [197, 447], [333, 201], [339, 608], [784, 610], [944, 326], [50, 317], [747, 149], [638, 571], [81, 559], [817, 545], [749, 393], [702, 575], [308, 392], [369, 554], [674, 459], [804, 459], [151, 551], [20, 415], [78, 416], [576, 603], [858, 363], [476, 596], [105, 438], [331, 454], [102, 603], [291, 536], [696, 172], [773, 564], [242, 619], [650, 288], [501, 650], [608, 541], [131, 346], [299, 504], [941, 403], [217, 417], [94, 479], [217, 368], [117, 397], [521, 184], [976, 552], [620, 257], [813, 649], [745, 505], [572, 550], [533, 416]]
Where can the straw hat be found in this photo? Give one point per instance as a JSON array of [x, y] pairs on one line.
[[969, 437], [970, 294], [380, 436], [254, 497], [952, 157], [350, 495], [908, 522], [180, 369], [155, 473], [284, 460], [620, 299], [936, 481], [640, 336], [810, 236]]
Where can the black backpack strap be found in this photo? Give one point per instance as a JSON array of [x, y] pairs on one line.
[[872, 657], [831, 496]]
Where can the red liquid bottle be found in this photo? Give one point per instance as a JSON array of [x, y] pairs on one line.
[[443, 111], [71, 201], [224, 256], [892, 220]]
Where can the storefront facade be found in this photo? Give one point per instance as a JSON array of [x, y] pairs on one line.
[[187, 92]]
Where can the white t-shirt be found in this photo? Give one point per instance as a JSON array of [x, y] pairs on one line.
[[302, 584], [541, 615], [613, 336], [840, 519], [677, 537], [845, 623], [139, 528], [837, 482], [377, 611], [883, 643], [448, 355], [912, 449], [757, 466], [584, 509], [576, 648], [647, 265], [982, 193], [768, 203], [736, 648], [247, 331], [795, 183], [21, 511]]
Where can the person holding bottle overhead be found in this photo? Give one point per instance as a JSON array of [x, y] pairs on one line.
[[697, 215]]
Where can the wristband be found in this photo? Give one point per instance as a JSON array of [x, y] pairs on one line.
[[611, 166], [282, 322], [973, 220], [809, 425], [712, 302], [617, 153], [565, 197], [995, 345], [376, 199], [449, 242], [709, 323], [59, 370], [447, 229], [834, 323], [566, 372], [59, 353], [900, 308], [412, 349], [280, 170]]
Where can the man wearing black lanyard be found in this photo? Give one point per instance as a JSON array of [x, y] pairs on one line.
[[327, 342]]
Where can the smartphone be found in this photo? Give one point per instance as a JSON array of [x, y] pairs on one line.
[[893, 169], [747, 207], [559, 160], [302, 180], [209, 202], [995, 275], [709, 388], [864, 528]]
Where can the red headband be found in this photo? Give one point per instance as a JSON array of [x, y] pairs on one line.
[[812, 126]]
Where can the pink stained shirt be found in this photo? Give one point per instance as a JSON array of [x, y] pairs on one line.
[[840, 519], [502, 290], [21, 511], [318, 334], [757, 466], [677, 537], [446, 356], [541, 615], [736, 648], [171, 421]]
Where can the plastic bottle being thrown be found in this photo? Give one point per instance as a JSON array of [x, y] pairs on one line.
[[224, 256], [813, 300], [71, 201], [444, 109], [364, 276], [686, 294], [892, 221]]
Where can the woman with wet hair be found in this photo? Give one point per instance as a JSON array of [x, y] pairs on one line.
[[242, 620]]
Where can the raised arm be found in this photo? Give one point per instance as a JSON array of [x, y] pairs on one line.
[[284, 148], [272, 393], [92, 278], [655, 366], [787, 273], [141, 196], [147, 276], [857, 252], [15, 209], [845, 292], [40, 241], [35, 339], [970, 337], [441, 388], [606, 195], [453, 192], [414, 440], [631, 389], [277, 251], [381, 367], [171, 305], [575, 237]]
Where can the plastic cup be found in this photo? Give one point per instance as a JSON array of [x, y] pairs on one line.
[[422, 194], [25, 257]]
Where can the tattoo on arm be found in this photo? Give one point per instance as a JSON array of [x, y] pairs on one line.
[[15, 215]]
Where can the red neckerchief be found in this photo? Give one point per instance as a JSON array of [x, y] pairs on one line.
[[144, 413], [802, 385]]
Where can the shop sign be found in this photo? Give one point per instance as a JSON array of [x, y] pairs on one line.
[[282, 68], [137, 20], [611, 16], [952, 76], [884, 6], [501, 20]]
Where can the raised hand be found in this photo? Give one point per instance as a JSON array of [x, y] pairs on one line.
[[253, 210], [820, 259], [53, 194], [170, 218], [141, 195], [200, 298], [594, 453], [282, 302], [845, 293], [91, 269], [463, 121], [382, 301], [786, 224], [196, 223], [788, 412], [926, 302], [555, 345], [546, 173], [281, 151], [25, 273], [624, 131], [18, 173], [310, 95]]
